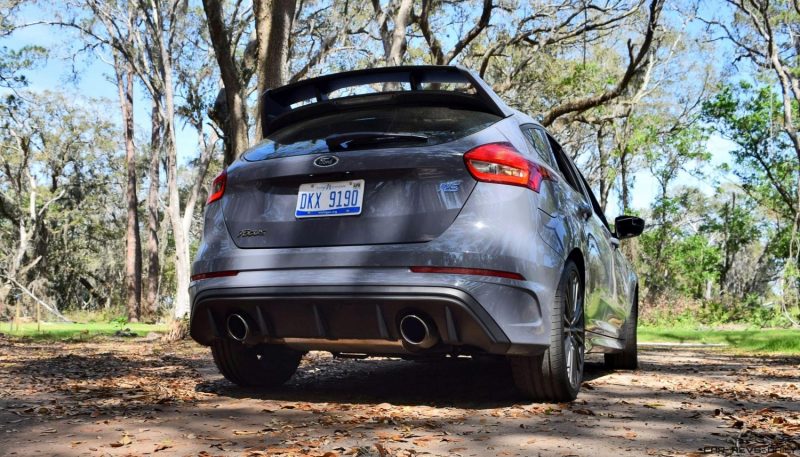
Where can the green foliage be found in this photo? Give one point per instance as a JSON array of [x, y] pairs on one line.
[[752, 118], [751, 311], [119, 321], [62, 152], [695, 261], [748, 311], [60, 331], [14, 62], [759, 341], [674, 255], [725, 252]]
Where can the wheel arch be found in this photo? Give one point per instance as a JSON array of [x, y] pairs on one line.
[[577, 256]]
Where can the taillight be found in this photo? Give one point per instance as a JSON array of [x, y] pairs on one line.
[[501, 163], [468, 271], [214, 274], [218, 187]]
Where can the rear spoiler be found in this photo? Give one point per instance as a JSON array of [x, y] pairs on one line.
[[403, 83]]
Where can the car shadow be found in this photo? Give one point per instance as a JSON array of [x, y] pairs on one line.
[[459, 383]]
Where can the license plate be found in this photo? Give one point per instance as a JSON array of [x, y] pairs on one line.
[[323, 199]]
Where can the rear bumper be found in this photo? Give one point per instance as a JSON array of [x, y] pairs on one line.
[[332, 317], [365, 318]]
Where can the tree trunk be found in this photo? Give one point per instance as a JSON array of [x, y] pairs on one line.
[[206, 154], [133, 245], [181, 305], [176, 222], [234, 118], [624, 184], [153, 259], [5, 290], [272, 71], [729, 247], [602, 153], [398, 47], [262, 10], [278, 45]]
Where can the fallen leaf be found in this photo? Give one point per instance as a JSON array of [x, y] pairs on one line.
[[162, 447], [382, 451], [283, 450]]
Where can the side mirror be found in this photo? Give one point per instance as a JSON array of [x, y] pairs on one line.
[[628, 226]]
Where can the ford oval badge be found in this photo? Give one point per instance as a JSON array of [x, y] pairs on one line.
[[326, 161]]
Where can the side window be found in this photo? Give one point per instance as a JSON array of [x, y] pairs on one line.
[[595, 204], [563, 167], [541, 141], [537, 145]]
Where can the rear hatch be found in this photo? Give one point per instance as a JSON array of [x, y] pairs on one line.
[[372, 175]]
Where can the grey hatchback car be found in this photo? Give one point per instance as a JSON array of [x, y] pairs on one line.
[[408, 211]]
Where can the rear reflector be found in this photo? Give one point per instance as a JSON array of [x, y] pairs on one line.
[[501, 163], [468, 271], [218, 187], [214, 274]]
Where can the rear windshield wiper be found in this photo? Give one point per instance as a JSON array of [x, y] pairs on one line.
[[353, 140]]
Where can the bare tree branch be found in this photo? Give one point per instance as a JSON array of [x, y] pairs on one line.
[[435, 45], [634, 64]]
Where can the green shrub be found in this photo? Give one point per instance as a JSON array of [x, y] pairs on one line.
[[682, 313]]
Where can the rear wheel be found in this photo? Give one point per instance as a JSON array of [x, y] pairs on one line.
[[262, 365], [628, 359], [557, 374]]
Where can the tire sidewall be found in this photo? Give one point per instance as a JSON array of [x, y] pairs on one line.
[[557, 337]]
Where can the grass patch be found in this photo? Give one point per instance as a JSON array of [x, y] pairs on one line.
[[60, 330], [783, 341]]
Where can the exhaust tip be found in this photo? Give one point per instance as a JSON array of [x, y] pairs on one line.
[[237, 327], [418, 332]]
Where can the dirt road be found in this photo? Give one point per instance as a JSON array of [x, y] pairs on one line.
[[130, 397]]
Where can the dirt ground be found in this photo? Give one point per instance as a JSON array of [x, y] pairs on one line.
[[134, 397]]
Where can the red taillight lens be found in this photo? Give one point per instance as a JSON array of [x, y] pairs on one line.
[[218, 187], [214, 274], [501, 163], [468, 271]]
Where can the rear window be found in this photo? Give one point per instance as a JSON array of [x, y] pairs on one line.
[[436, 124]]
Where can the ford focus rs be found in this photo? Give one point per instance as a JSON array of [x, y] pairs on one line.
[[408, 211]]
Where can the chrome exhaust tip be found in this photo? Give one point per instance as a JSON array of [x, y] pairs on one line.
[[418, 332], [238, 328]]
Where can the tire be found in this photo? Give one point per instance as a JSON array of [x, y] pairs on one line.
[[556, 375], [263, 365], [628, 358]]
